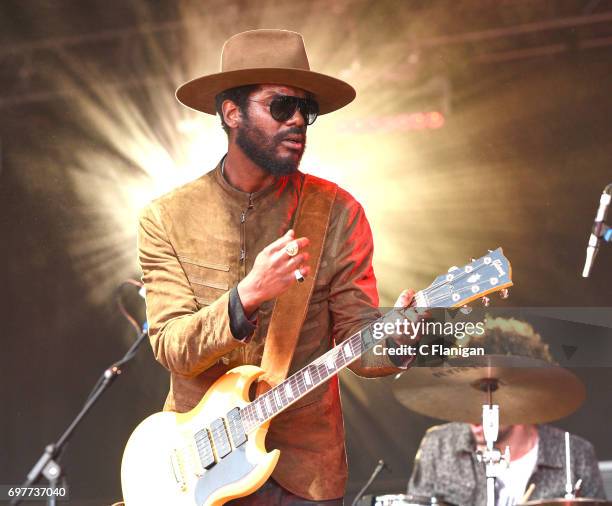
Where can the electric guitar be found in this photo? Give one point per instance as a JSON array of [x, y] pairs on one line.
[[216, 452]]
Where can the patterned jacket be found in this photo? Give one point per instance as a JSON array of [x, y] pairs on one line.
[[446, 466]]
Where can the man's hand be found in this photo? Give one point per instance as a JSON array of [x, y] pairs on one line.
[[403, 301], [273, 272], [405, 298]]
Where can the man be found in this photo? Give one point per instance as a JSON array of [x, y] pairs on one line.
[[217, 252], [446, 466]]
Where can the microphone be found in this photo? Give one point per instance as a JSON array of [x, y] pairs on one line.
[[599, 229]]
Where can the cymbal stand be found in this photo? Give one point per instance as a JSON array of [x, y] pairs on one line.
[[569, 487], [491, 456]]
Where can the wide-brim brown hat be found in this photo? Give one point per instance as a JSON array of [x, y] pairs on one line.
[[265, 57]]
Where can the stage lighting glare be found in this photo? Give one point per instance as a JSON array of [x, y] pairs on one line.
[[146, 144], [399, 122], [435, 119]]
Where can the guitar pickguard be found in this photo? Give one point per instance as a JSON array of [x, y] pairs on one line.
[[230, 469]]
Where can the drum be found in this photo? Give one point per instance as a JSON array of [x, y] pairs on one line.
[[407, 500], [582, 501]]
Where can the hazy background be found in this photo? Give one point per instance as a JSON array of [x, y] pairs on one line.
[[477, 124]]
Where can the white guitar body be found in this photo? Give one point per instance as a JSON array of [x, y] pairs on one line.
[[161, 465], [216, 452]]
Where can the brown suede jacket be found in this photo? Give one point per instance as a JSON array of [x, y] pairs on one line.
[[198, 242]]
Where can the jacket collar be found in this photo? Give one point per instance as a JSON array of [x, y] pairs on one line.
[[245, 198], [465, 438], [547, 456]]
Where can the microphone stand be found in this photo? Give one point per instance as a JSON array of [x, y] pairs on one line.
[[48, 464], [379, 467]]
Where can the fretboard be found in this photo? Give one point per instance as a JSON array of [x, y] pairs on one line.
[[458, 286], [280, 397]]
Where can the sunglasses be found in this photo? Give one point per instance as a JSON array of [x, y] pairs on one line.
[[283, 107]]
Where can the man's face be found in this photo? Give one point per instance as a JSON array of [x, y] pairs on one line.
[[275, 146], [503, 434]]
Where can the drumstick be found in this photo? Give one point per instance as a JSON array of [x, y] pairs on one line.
[[528, 493]]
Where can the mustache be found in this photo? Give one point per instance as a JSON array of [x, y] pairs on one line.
[[279, 137]]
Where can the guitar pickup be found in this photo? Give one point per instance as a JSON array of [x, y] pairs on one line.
[[236, 429], [205, 449], [220, 438]]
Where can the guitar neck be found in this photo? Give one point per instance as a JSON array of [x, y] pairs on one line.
[[485, 275], [302, 382]]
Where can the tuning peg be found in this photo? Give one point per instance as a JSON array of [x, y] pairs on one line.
[[504, 293], [465, 309], [486, 302]]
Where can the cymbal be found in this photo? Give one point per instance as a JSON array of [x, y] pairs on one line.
[[527, 390], [584, 501]]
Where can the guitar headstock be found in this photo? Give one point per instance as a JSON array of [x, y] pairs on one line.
[[460, 286]]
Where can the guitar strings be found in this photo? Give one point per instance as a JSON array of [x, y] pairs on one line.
[[320, 364]]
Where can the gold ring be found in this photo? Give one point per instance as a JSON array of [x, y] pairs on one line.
[[292, 249]]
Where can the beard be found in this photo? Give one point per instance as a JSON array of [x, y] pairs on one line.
[[261, 149], [503, 434]]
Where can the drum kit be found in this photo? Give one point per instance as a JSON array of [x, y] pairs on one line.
[[492, 390]]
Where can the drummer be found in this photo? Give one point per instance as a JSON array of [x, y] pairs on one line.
[[446, 467]]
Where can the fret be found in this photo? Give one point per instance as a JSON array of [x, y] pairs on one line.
[[268, 404], [367, 339], [317, 375], [348, 352], [357, 344], [280, 390], [339, 360], [248, 414], [298, 385], [307, 377], [271, 401], [278, 399], [264, 409], [258, 410], [324, 372], [295, 388], [288, 391]]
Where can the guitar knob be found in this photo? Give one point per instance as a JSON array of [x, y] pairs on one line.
[[465, 309], [504, 293], [486, 302]]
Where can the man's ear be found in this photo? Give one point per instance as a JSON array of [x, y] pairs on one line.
[[231, 114]]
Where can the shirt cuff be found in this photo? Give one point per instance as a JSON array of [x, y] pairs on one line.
[[400, 361], [241, 327]]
